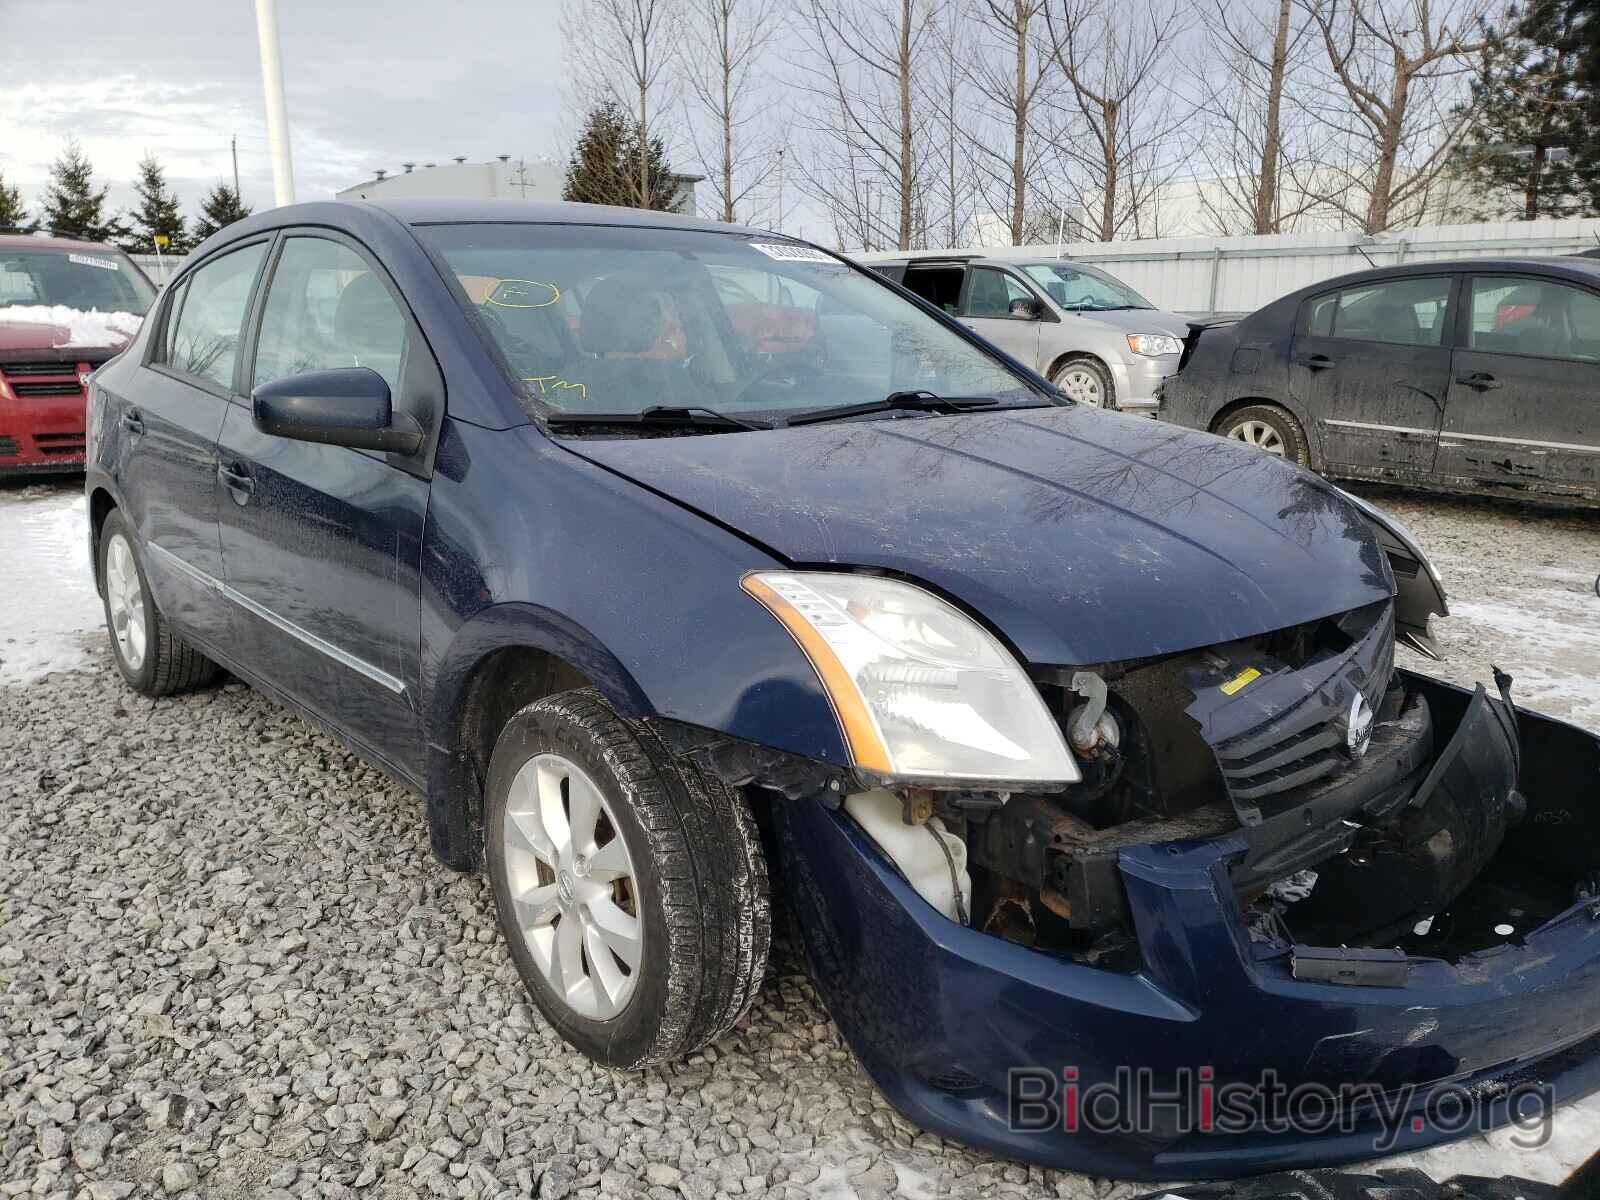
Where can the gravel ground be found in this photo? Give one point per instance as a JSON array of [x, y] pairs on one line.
[[229, 966]]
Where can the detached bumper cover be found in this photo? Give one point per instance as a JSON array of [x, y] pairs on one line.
[[940, 1015]]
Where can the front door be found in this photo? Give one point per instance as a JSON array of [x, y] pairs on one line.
[[170, 416], [986, 310], [1524, 408], [1370, 366], [321, 544]]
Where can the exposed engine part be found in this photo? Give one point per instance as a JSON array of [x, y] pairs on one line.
[[932, 859], [1091, 726], [1011, 917]]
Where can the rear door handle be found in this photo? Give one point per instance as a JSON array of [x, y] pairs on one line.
[[132, 422], [238, 482], [1482, 381], [1317, 362]]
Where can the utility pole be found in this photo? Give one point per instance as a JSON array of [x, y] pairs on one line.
[[277, 111], [233, 145], [780, 189]]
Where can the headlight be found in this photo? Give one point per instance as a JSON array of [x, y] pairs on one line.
[[1152, 344], [919, 688]]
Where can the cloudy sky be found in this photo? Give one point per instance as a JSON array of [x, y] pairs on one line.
[[370, 83]]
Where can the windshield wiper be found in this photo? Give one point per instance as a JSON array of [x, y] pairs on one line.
[[660, 414], [909, 401]]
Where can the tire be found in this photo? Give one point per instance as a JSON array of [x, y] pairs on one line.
[[1085, 380], [1268, 428], [151, 657], [692, 879]]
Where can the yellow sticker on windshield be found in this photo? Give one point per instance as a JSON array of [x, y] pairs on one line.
[[1239, 680]]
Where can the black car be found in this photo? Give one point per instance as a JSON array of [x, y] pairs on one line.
[[1472, 376]]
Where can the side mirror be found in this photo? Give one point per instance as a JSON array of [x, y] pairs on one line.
[[1026, 308], [347, 407]]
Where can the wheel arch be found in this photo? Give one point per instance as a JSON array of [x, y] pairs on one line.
[[1307, 427], [1066, 356], [502, 660], [101, 505]]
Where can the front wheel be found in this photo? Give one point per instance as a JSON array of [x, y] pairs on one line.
[[1268, 428], [629, 885], [1087, 381]]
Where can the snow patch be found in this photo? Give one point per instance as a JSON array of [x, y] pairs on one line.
[[48, 605], [89, 329]]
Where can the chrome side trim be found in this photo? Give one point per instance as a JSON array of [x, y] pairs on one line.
[[382, 678], [1509, 441], [1381, 428]]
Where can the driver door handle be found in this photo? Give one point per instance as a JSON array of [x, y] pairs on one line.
[[1316, 362], [237, 481], [1480, 380]]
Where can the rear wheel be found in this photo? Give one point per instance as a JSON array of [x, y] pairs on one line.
[[629, 885], [1087, 381], [1268, 428], [151, 657]]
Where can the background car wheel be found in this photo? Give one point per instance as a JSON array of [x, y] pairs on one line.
[[1087, 381], [629, 885], [1270, 428], [152, 658]]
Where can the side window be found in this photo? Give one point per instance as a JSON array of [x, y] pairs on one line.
[[1535, 317], [208, 315], [326, 309], [1402, 312], [939, 286], [991, 292], [169, 335]]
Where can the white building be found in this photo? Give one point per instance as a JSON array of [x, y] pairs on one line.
[[504, 178]]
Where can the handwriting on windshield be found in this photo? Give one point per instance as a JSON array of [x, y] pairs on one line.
[[549, 384]]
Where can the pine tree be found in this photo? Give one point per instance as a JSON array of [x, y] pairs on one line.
[[604, 168], [73, 206], [1572, 28], [221, 207], [1527, 137], [158, 213], [13, 213]]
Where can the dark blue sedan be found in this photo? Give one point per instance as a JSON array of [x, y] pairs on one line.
[[663, 557]]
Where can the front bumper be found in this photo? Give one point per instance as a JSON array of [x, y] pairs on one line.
[[40, 434], [1137, 382], [940, 1015]]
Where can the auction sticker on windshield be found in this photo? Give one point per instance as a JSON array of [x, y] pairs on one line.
[[788, 252], [88, 260]]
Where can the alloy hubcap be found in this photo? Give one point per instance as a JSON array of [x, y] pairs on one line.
[[1260, 435], [125, 602], [573, 886], [1082, 386]]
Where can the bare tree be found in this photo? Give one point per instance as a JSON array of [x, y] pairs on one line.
[[624, 50], [1011, 68], [950, 191], [1255, 143], [1115, 62], [867, 53], [735, 157], [1393, 65]]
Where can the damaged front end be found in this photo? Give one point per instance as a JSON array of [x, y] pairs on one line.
[[1284, 858]]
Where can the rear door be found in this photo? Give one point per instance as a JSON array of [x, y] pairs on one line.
[[986, 310], [167, 421], [1524, 407], [1370, 366], [321, 544]]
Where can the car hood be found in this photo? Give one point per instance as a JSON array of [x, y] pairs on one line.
[[1082, 536], [1133, 320], [65, 333]]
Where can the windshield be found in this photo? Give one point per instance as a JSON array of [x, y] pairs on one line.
[[1075, 286], [88, 280], [598, 319]]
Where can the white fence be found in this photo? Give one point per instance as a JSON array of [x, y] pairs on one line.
[[160, 268], [1240, 274]]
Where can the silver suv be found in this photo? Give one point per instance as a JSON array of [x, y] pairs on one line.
[[1092, 336]]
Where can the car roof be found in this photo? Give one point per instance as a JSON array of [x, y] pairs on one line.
[[33, 241], [1587, 269]]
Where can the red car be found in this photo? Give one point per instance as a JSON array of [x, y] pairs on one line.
[[65, 308]]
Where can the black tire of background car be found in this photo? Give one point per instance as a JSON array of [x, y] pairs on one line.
[[170, 664], [1108, 389], [1295, 447], [701, 875], [1393, 1183]]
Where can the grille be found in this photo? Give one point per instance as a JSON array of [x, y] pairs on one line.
[[8, 447], [63, 387], [1305, 741], [59, 443], [15, 369]]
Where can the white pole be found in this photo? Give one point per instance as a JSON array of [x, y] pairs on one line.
[[277, 113]]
